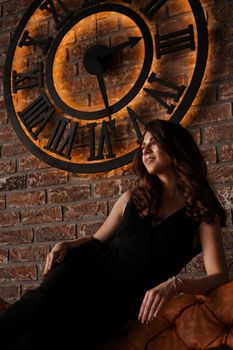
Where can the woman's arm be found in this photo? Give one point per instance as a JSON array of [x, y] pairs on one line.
[[113, 221], [214, 261], [104, 233], [111, 224], [216, 270]]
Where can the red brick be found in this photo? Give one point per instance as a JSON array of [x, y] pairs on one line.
[[41, 267], [25, 199], [7, 166], [5, 39], [18, 273], [213, 113], [196, 264], [11, 8], [196, 134], [26, 254], [10, 150], [8, 218], [223, 12], [206, 95], [229, 217], [107, 24], [10, 293], [3, 117], [127, 184], [19, 236], [125, 23], [225, 194], [29, 286], [2, 201], [87, 83], [51, 177], [177, 7], [7, 134], [55, 232], [229, 258], [226, 91], [3, 256], [228, 239], [31, 163], [76, 179], [25, 4], [219, 71], [68, 194], [221, 174], [225, 31], [226, 152], [10, 22], [89, 228], [106, 189], [209, 154], [85, 210], [218, 133], [13, 183], [42, 215]]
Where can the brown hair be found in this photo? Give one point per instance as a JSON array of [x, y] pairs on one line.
[[201, 201]]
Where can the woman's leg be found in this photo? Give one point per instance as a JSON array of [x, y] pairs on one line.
[[40, 310]]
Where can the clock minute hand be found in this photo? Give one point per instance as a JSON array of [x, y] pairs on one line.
[[133, 40], [102, 86]]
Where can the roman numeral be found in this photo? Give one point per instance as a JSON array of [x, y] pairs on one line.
[[104, 139], [42, 43], [27, 80], [59, 17], [157, 94], [62, 137], [135, 118], [152, 7], [175, 41], [37, 114]]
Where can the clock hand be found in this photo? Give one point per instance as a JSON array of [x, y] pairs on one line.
[[111, 50], [102, 86]]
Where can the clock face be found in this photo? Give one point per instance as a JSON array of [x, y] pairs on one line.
[[81, 81]]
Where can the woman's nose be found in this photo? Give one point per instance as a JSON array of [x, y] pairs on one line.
[[146, 149]]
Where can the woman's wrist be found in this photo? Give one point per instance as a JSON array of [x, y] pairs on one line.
[[77, 242], [177, 285]]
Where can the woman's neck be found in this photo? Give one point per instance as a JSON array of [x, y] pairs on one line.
[[171, 194]]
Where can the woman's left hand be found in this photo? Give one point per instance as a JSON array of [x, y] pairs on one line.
[[154, 300]]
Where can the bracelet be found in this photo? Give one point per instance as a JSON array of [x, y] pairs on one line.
[[178, 286]]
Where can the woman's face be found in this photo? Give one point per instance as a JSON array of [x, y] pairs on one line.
[[154, 158]]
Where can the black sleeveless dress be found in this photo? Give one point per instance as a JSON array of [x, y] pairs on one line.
[[100, 286]]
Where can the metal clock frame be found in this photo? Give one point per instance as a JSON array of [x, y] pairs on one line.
[[177, 116]]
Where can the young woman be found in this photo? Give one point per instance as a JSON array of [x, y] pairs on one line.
[[127, 269]]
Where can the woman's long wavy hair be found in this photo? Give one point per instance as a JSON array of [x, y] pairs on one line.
[[202, 203]]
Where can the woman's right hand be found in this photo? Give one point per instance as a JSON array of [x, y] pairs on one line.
[[56, 255]]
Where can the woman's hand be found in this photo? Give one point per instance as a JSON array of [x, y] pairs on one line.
[[57, 254], [154, 300]]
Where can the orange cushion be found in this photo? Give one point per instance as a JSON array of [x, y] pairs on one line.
[[191, 322]]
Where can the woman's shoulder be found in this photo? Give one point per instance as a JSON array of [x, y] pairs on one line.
[[123, 200], [125, 197]]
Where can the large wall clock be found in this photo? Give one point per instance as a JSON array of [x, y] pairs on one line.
[[80, 80]]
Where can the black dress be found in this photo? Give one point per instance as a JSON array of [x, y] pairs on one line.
[[99, 286]]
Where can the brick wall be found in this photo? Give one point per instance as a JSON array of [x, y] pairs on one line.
[[41, 205]]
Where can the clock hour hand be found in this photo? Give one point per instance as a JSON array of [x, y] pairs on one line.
[[133, 40]]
